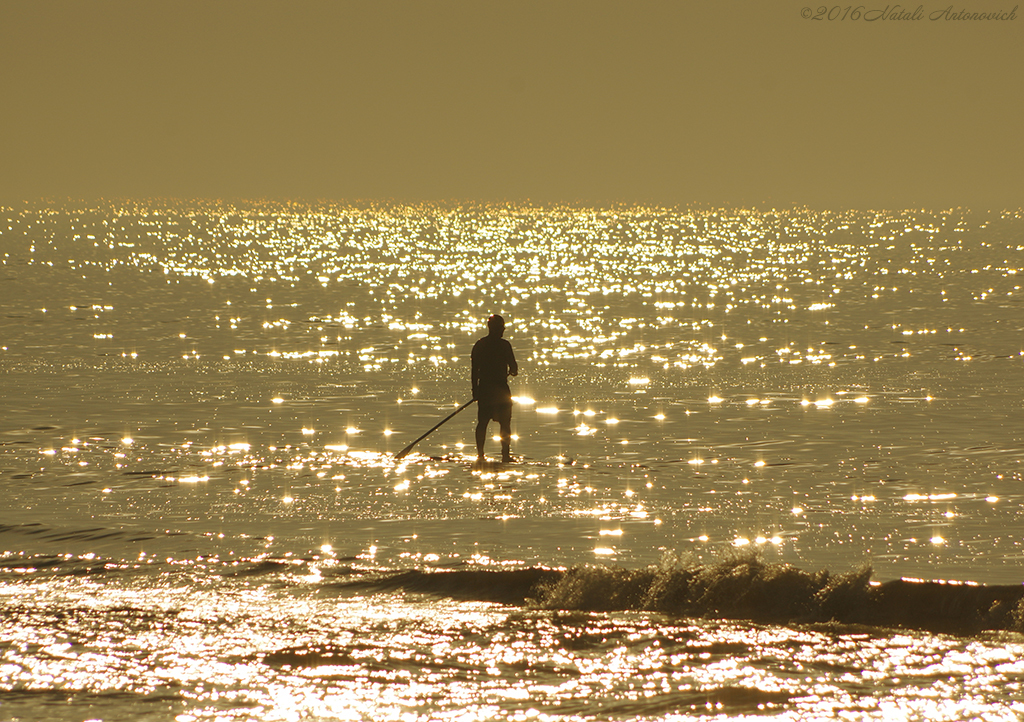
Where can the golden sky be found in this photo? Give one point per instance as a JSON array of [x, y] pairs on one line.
[[671, 102]]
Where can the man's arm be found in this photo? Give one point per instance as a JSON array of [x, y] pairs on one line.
[[513, 367], [475, 372]]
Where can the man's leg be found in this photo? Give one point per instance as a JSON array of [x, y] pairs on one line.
[[481, 434], [506, 435]]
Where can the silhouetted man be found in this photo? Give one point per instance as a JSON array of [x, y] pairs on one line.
[[493, 363]]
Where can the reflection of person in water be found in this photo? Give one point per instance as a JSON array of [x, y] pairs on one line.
[[493, 363]]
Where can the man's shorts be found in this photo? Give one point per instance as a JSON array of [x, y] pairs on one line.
[[495, 405]]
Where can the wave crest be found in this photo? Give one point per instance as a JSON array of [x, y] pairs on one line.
[[745, 586], [738, 586]]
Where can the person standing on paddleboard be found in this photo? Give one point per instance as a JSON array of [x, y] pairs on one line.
[[493, 363]]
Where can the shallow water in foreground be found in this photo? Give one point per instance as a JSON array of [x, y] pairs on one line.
[[225, 651], [727, 415]]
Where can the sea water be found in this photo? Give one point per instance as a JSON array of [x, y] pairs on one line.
[[768, 463]]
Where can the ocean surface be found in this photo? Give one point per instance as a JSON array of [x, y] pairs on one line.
[[769, 464]]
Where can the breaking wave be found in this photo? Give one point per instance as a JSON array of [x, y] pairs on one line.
[[738, 587]]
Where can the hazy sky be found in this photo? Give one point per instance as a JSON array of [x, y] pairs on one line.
[[673, 101]]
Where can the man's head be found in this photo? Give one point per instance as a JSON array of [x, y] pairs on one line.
[[496, 325]]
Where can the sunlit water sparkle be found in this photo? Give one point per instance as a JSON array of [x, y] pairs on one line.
[[203, 402]]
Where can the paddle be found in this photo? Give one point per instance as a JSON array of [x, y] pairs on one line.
[[447, 418]]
